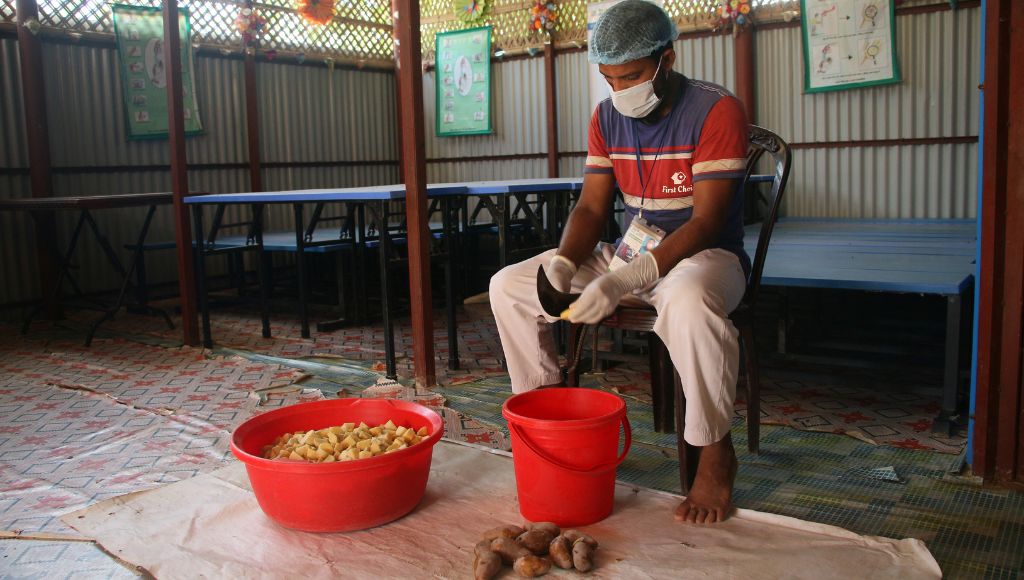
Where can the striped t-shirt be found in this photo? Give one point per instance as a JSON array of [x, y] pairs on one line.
[[704, 137]]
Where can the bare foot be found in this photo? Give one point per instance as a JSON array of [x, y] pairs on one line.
[[710, 499]]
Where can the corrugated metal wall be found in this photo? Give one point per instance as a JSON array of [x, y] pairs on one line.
[[308, 114], [15, 258], [312, 114], [939, 54]]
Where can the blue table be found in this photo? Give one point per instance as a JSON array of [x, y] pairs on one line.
[[497, 196], [376, 200], [908, 256]]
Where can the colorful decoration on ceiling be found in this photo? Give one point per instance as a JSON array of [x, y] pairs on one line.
[[543, 16], [316, 11], [251, 24], [735, 11], [469, 11]]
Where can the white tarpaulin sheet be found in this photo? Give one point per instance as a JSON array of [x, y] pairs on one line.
[[210, 526]]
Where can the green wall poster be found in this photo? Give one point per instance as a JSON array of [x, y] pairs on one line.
[[463, 82], [140, 47], [848, 44]]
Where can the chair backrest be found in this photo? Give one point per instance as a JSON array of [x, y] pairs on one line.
[[763, 141]]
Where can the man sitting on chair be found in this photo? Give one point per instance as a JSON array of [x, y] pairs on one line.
[[677, 149]]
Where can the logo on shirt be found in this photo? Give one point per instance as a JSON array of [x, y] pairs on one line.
[[679, 180]]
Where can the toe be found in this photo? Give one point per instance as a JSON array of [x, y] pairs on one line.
[[682, 510], [696, 515]]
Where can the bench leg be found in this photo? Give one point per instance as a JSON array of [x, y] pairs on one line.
[[300, 269], [662, 384], [199, 255], [948, 419], [341, 285]]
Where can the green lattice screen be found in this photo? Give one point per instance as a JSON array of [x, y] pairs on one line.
[[511, 18], [362, 28]]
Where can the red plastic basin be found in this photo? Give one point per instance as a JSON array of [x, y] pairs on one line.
[[341, 496]]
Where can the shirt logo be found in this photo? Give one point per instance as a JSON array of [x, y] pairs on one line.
[[679, 177]]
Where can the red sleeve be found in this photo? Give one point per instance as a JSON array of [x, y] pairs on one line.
[[721, 151], [597, 152]]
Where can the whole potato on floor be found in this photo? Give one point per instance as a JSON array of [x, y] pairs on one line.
[[536, 541], [549, 527], [561, 552], [508, 531], [531, 566], [486, 565], [509, 549], [583, 555]]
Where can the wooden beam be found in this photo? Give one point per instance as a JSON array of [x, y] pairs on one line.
[[398, 117], [410, 78], [999, 409], [745, 73], [552, 108], [252, 121], [1010, 450], [398, 99], [37, 133], [179, 175]]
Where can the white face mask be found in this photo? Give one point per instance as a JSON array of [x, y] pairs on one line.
[[639, 100]]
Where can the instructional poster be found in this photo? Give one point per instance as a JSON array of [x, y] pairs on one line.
[[848, 44], [140, 46], [463, 81]]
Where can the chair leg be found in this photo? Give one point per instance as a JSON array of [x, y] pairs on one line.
[[572, 375], [662, 393], [753, 389], [689, 456]]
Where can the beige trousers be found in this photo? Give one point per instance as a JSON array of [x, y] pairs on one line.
[[693, 302]]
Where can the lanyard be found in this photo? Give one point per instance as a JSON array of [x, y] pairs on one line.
[[639, 162], [639, 159]]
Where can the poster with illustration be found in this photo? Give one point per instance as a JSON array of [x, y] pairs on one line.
[[848, 44], [463, 81], [140, 47]]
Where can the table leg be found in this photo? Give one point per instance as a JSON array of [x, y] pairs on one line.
[[385, 290], [360, 257], [449, 280], [300, 267], [199, 253], [126, 274], [503, 231], [65, 263], [947, 420], [266, 269]]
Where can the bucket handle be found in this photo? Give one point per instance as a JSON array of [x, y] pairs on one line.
[[600, 468]]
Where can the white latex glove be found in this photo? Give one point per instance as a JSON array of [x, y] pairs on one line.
[[560, 272], [601, 296]]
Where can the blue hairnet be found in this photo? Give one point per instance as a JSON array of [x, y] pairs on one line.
[[630, 30]]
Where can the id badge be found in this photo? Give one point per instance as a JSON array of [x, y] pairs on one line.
[[640, 238]]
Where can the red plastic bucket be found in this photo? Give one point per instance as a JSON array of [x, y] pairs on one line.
[[341, 496], [565, 450]]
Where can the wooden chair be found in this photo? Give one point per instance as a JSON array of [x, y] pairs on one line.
[[666, 388]]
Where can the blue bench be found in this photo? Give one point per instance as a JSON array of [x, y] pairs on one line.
[[324, 241], [934, 257]]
